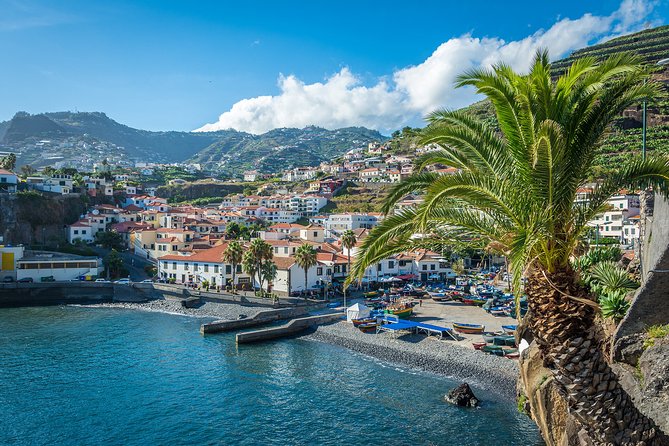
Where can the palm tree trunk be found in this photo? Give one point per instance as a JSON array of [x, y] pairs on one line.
[[234, 273], [564, 329], [305, 281]]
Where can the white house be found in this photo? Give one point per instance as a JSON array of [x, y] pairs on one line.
[[251, 175], [8, 181], [38, 264]]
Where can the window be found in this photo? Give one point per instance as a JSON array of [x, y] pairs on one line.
[[186, 266], [424, 267], [378, 267], [206, 268], [391, 264], [319, 271], [83, 231], [76, 231], [239, 268], [315, 233], [174, 265], [228, 269], [216, 269], [432, 267]]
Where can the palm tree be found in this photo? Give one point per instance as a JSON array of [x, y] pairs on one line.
[[348, 241], [305, 257], [233, 255], [258, 253], [514, 193]]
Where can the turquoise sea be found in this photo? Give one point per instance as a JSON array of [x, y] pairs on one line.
[[94, 376]]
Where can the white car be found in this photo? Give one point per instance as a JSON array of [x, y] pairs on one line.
[[125, 281], [147, 281], [101, 281]]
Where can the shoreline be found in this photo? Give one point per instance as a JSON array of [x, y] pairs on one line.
[[428, 354]]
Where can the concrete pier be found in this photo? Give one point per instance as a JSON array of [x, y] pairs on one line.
[[292, 327], [261, 318]]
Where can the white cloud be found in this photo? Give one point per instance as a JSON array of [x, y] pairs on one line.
[[342, 100]]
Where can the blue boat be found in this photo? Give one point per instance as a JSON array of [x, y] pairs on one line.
[[509, 329]]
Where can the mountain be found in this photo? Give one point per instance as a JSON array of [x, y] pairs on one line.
[[623, 140], [82, 139], [282, 148]]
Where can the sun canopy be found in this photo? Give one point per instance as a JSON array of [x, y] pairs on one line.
[[356, 311]]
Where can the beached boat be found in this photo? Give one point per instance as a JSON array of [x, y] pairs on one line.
[[357, 322], [509, 329], [478, 345], [489, 336], [468, 328], [473, 301], [515, 355], [368, 327], [401, 313], [495, 349], [370, 294], [504, 340]]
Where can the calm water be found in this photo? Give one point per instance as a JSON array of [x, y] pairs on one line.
[[81, 376]]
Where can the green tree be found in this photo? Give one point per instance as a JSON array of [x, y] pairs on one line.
[[269, 272], [8, 162], [233, 254], [348, 241], [257, 254], [515, 193], [305, 257], [113, 263], [27, 170], [232, 231], [109, 240], [458, 267]]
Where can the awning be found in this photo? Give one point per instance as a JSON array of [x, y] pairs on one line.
[[407, 276]]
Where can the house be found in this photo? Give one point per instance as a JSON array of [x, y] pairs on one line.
[[336, 224], [251, 175], [57, 183], [8, 181], [369, 174]]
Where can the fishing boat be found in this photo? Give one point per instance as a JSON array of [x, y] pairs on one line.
[[370, 294], [495, 349], [478, 345], [489, 336], [510, 341], [357, 322], [509, 329], [473, 301], [368, 327], [400, 312], [468, 328], [515, 355], [504, 340], [497, 311]]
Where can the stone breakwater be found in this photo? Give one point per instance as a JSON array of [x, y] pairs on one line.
[[208, 309], [493, 373]]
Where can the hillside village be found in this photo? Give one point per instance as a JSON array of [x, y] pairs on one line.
[[186, 241]]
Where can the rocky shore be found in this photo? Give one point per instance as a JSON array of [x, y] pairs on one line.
[[493, 373], [207, 309]]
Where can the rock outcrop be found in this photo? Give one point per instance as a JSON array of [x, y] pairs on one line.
[[462, 396]]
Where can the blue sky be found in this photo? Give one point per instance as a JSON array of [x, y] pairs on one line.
[[167, 65]]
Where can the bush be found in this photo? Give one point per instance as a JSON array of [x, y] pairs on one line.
[[614, 306]]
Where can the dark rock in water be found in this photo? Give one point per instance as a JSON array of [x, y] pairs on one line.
[[462, 396]]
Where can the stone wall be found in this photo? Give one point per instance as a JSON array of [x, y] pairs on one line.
[[650, 305]]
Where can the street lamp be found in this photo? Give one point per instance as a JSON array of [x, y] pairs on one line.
[[643, 115]]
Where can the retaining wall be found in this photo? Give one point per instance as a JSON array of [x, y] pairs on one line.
[[260, 318]]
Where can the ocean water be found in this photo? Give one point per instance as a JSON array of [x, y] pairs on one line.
[[93, 376]]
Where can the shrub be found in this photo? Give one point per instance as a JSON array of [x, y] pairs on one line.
[[655, 332], [614, 305]]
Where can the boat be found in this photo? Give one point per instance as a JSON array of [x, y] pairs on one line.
[[368, 327], [468, 328], [489, 336], [504, 339], [370, 294], [514, 355], [492, 349], [357, 322], [497, 312], [401, 313], [473, 301], [509, 329], [478, 345], [510, 341]]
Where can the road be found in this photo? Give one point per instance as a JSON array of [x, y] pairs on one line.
[[133, 263]]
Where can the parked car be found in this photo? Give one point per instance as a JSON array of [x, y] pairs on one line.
[[125, 281], [147, 281], [26, 280], [47, 279], [101, 281], [8, 279]]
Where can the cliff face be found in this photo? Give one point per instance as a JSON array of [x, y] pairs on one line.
[[643, 370]]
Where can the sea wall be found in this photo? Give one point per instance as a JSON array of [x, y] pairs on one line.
[[37, 294], [260, 318]]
